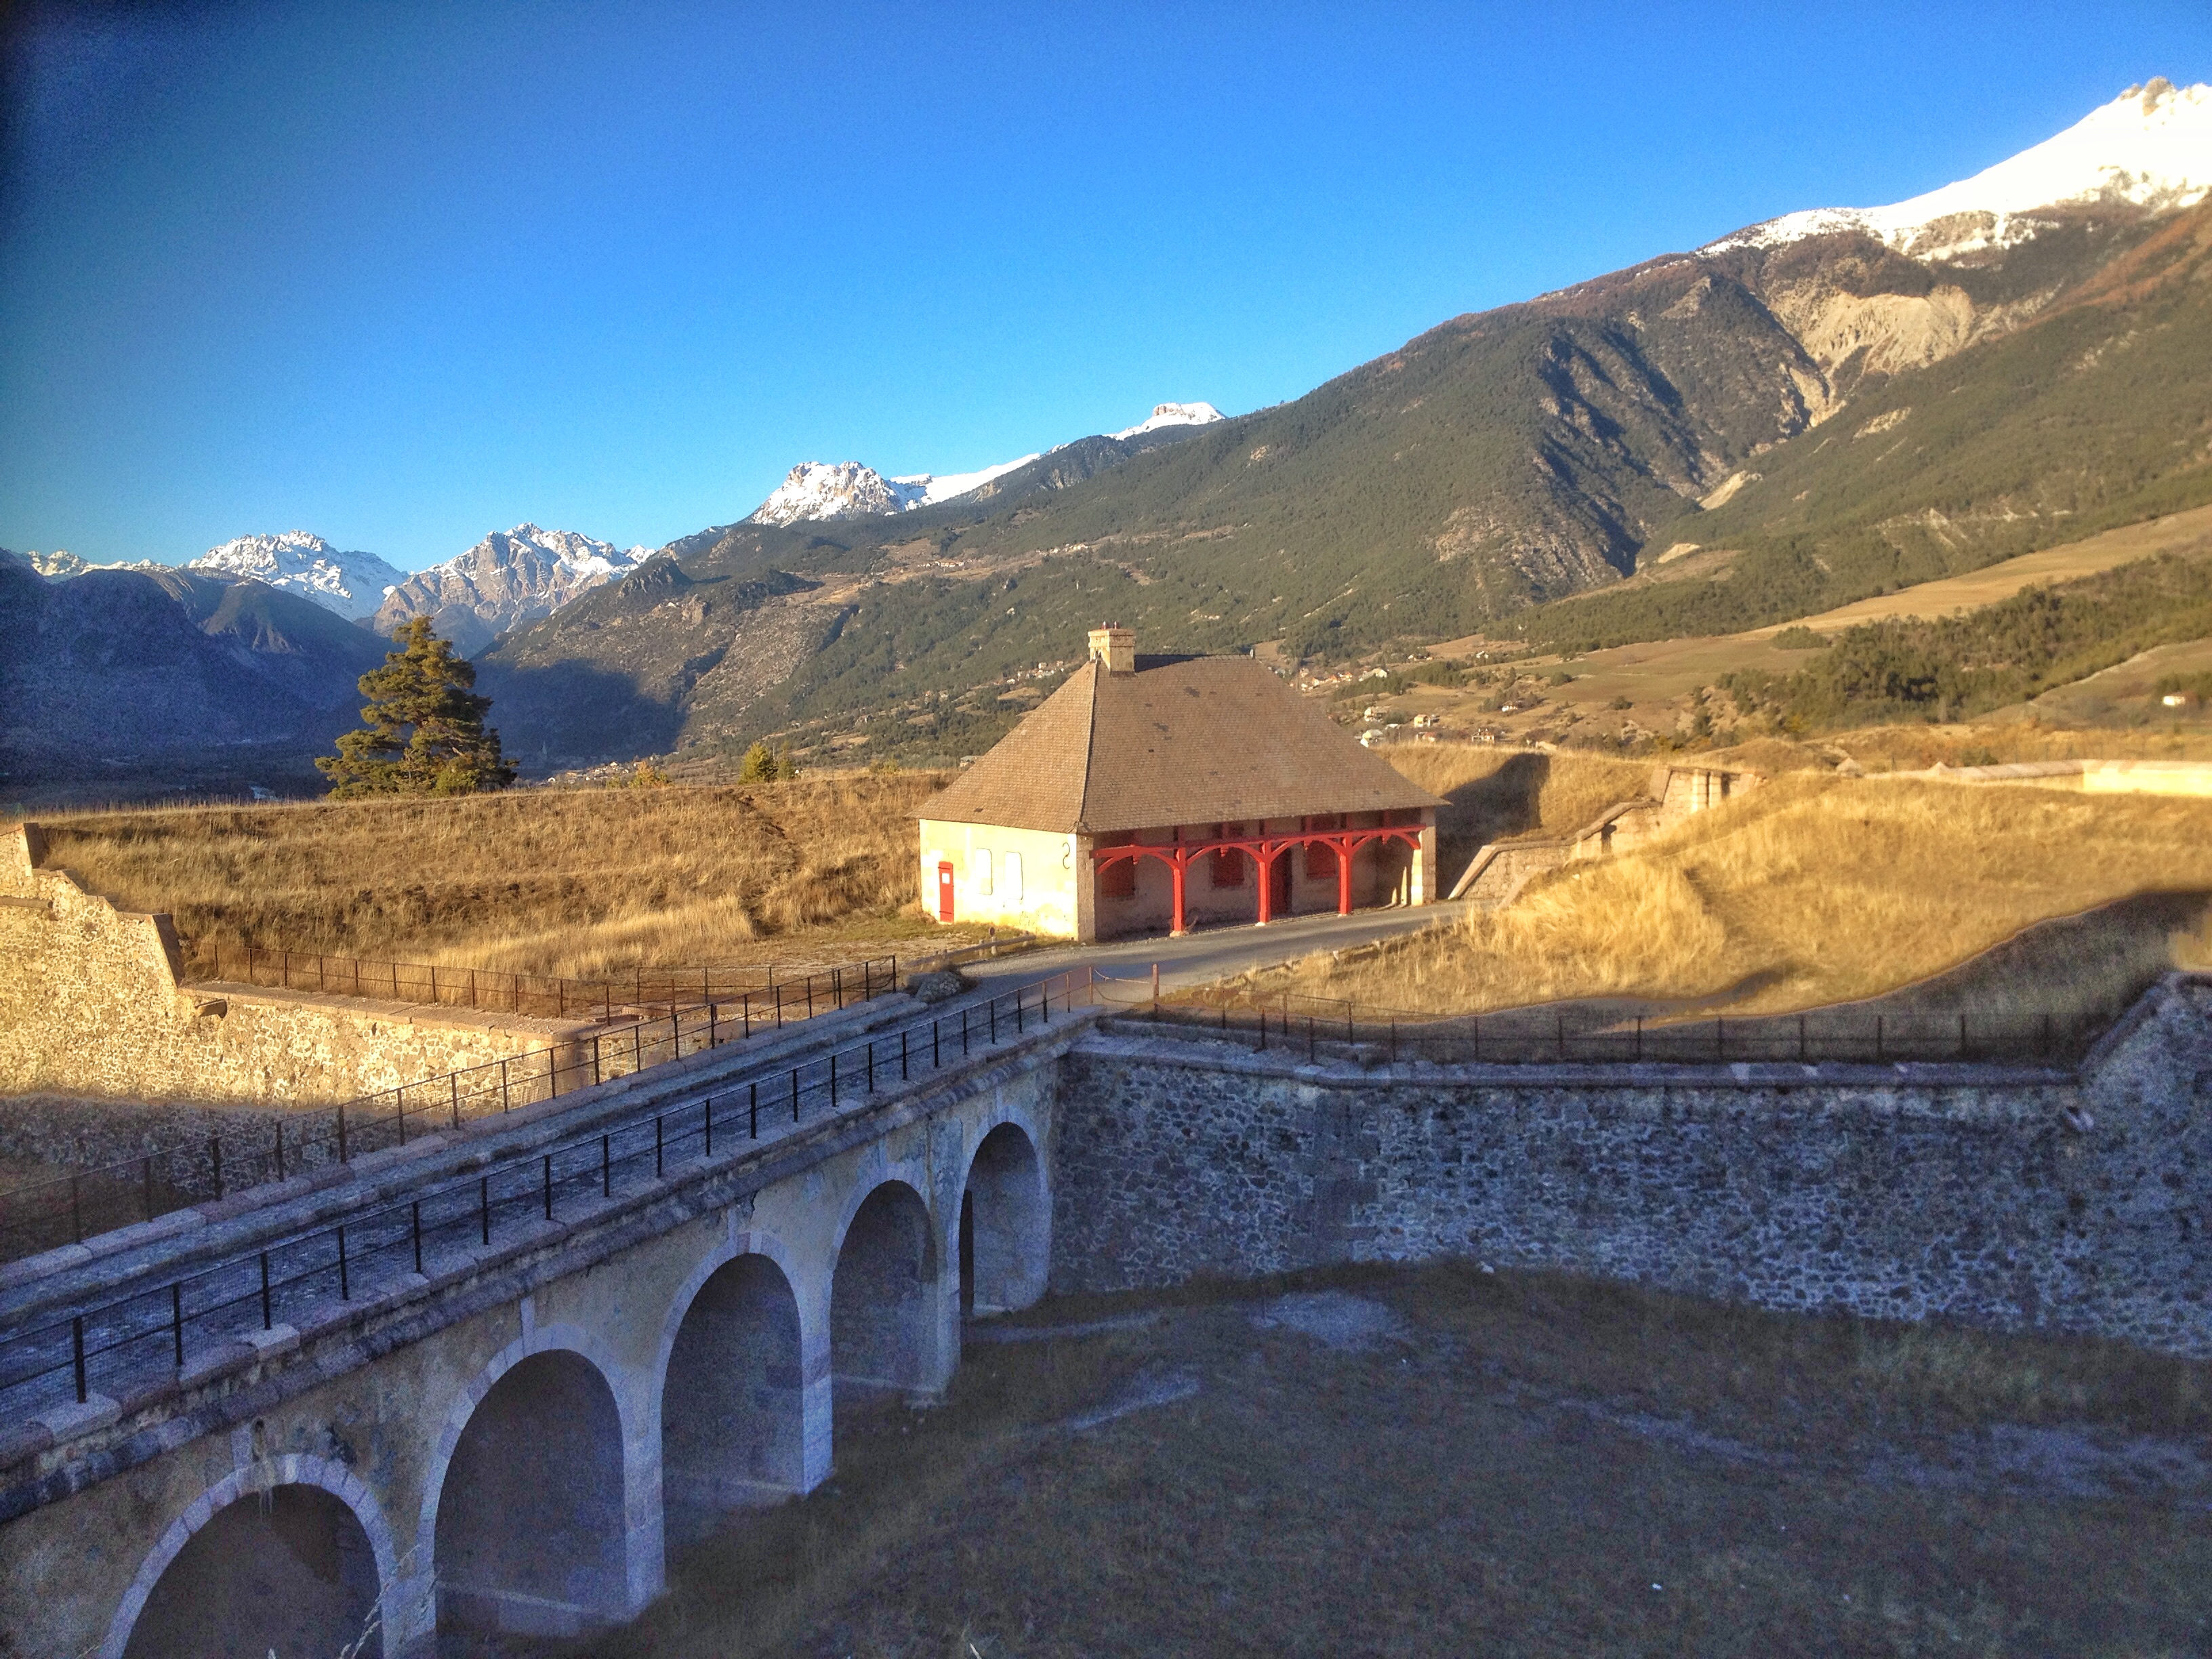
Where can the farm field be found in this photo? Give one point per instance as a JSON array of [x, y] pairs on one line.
[[575, 883], [1447, 1460], [1814, 889], [1645, 688]]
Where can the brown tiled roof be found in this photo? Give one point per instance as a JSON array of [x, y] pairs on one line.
[[1182, 740]]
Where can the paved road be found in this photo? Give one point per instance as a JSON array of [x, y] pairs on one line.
[[1210, 953]]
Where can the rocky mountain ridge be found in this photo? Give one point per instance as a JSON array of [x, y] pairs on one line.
[[826, 491], [508, 579], [297, 561]]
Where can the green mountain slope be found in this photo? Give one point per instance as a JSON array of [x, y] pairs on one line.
[[1855, 418]]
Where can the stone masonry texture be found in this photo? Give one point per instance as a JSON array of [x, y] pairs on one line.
[[2007, 1197], [91, 1005]]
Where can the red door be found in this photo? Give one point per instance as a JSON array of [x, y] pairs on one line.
[[943, 892]]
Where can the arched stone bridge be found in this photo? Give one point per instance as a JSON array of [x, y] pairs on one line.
[[513, 1439]]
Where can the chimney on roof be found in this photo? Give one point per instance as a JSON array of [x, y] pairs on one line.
[[1115, 646]]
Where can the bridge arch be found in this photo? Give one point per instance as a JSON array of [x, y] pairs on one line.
[[333, 1568], [730, 1399], [529, 1494], [885, 1296], [1004, 1234]]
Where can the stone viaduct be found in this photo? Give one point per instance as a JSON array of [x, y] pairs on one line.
[[594, 1363], [484, 1383]]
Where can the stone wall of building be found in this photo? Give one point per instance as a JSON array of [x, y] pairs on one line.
[[91, 1004], [2007, 1197]]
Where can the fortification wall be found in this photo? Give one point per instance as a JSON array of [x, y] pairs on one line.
[[2010, 1198], [91, 1004]]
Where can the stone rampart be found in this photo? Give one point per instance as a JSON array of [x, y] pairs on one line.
[[92, 1004], [2011, 1197]]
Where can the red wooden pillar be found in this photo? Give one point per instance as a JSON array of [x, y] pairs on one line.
[[1181, 862], [1344, 877], [1264, 869]]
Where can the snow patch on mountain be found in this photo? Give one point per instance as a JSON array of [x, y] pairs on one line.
[[937, 487], [848, 490], [1172, 414], [2151, 147], [351, 584]]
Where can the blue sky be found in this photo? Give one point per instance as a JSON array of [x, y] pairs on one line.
[[404, 274]]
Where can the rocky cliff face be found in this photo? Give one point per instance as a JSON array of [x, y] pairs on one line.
[[510, 577]]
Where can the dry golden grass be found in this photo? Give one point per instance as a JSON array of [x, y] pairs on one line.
[[1496, 794], [569, 882], [1814, 889]]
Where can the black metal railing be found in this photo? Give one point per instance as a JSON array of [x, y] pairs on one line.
[[69, 1209], [1592, 1033], [493, 990], [146, 1341]]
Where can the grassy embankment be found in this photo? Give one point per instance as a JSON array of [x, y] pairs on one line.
[[1812, 890], [569, 882], [1513, 1463]]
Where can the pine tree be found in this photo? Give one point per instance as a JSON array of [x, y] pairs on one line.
[[423, 731], [762, 764]]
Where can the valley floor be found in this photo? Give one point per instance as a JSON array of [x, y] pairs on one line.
[[1444, 1460]]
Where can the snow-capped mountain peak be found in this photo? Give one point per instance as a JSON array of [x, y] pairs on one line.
[[1172, 414], [848, 490], [509, 578], [351, 584], [836, 490], [2151, 147]]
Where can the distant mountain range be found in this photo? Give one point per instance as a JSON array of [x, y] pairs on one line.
[[1792, 416], [115, 674]]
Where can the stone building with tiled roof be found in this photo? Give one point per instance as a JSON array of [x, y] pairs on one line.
[[1152, 794]]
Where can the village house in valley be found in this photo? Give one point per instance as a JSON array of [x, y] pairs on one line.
[[1159, 793]]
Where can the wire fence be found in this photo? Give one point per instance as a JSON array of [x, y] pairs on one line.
[[1592, 1033], [152, 1337], [69, 1209]]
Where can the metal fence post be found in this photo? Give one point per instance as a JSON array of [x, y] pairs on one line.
[[345, 1279], [268, 1309], [752, 1108], [76, 1354], [606, 1166], [902, 1071], [659, 1151], [794, 1094], [833, 1081], [548, 1186], [708, 1107]]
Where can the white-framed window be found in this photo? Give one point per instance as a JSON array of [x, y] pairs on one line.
[[1010, 877], [979, 871]]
